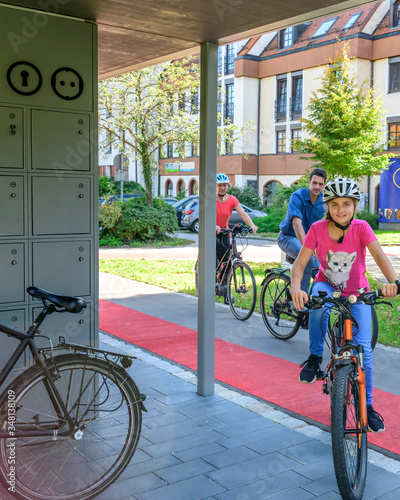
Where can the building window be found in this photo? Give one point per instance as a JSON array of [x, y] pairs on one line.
[[281, 99], [352, 21], [285, 38], [170, 150], [228, 144], [194, 102], [193, 187], [395, 14], [296, 104], [194, 149], [229, 104], [229, 59], [180, 187], [269, 192], [324, 28], [394, 75], [393, 135], [281, 141], [181, 102], [296, 135], [168, 188], [109, 142], [219, 61]]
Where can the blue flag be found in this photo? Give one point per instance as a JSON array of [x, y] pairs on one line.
[[389, 193]]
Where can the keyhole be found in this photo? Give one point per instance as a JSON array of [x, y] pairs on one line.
[[24, 75]]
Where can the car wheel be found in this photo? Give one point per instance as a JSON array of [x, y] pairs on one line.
[[195, 226]]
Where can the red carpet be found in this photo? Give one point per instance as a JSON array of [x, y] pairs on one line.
[[259, 374]]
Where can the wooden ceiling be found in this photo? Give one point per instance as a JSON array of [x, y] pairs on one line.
[[134, 33]]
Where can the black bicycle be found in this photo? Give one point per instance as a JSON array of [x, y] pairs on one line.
[[344, 381], [282, 319], [233, 278], [70, 423]]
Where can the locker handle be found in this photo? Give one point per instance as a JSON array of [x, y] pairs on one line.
[[80, 259], [13, 262], [13, 127], [81, 195], [13, 195]]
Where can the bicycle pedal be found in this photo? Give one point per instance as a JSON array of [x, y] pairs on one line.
[[320, 375]]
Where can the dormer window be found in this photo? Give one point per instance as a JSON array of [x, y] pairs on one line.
[[394, 13], [324, 28], [352, 21]]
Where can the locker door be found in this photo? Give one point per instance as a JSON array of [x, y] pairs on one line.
[[14, 318], [60, 141], [12, 205], [12, 272], [11, 138]]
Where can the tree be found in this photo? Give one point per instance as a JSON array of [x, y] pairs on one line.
[[345, 125], [147, 109]]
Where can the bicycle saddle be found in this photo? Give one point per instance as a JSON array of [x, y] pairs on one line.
[[70, 304]]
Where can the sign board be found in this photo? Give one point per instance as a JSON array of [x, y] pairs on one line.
[[389, 194], [172, 167], [187, 166]]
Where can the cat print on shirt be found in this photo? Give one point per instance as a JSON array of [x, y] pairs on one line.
[[339, 267]]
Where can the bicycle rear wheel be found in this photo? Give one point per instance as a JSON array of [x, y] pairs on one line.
[[242, 290], [349, 440], [276, 306], [105, 405]]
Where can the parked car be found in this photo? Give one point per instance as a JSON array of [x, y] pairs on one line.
[[182, 204], [169, 200], [117, 197], [190, 218]]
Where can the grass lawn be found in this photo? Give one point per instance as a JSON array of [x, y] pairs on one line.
[[384, 237], [178, 275]]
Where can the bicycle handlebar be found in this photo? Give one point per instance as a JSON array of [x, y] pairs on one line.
[[237, 229]]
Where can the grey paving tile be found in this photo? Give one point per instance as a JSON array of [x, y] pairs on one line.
[[252, 470], [330, 496], [317, 469], [308, 451], [278, 442], [393, 495], [252, 437], [178, 429], [185, 471], [184, 443], [323, 486], [131, 487], [177, 398], [209, 405], [294, 494], [380, 484], [230, 457], [196, 488], [238, 429], [268, 487], [199, 451], [233, 415], [151, 465], [162, 419]]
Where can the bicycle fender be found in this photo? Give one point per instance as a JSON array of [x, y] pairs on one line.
[[343, 362]]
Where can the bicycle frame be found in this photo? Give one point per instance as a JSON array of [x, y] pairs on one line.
[[26, 340]]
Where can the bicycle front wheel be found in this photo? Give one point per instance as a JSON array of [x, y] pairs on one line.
[[276, 306], [105, 406], [349, 439], [242, 290]]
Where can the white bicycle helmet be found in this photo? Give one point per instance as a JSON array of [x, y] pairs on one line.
[[222, 179], [341, 188]]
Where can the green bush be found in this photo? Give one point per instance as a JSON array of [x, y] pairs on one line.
[[270, 223], [372, 219], [133, 220], [247, 195], [108, 187]]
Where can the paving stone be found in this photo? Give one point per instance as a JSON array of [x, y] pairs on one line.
[[308, 452], [185, 470], [238, 429], [237, 414], [196, 488], [251, 437], [230, 457], [280, 442], [267, 488], [199, 451]]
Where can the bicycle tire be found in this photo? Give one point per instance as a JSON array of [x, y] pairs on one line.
[[333, 327], [276, 307], [242, 290], [349, 440], [73, 467]]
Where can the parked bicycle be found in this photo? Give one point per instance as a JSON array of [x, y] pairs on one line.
[[279, 315], [344, 381], [233, 278], [69, 424]]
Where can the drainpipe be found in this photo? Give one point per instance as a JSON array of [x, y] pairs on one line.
[[369, 177], [258, 134]]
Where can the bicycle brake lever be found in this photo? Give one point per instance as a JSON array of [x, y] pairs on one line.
[[384, 302]]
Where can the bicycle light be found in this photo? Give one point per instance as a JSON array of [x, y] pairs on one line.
[[336, 294], [352, 299]]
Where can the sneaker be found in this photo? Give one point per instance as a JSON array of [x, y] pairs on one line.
[[375, 420], [311, 368], [226, 300]]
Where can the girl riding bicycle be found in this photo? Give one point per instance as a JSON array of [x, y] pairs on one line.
[[340, 242]]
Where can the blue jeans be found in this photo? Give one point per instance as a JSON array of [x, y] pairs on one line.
[[292, 246], [318, 325]]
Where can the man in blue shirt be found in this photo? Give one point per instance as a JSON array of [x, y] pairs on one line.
[[305, 208]]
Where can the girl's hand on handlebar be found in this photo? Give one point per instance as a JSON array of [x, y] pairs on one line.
[[254, 228], [389, 290], [299, 298], [218, 229]]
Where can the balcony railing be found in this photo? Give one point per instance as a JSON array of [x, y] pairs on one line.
[[295, 107], [280, 110]]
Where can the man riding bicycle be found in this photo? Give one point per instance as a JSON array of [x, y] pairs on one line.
[[226, 203], [305, 208]]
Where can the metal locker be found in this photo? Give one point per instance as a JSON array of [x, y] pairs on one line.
[[60, 141], [12, 272], [14, 318], [12, 205], [61, 205], [62, 267], [11, 138], [75, 328]]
